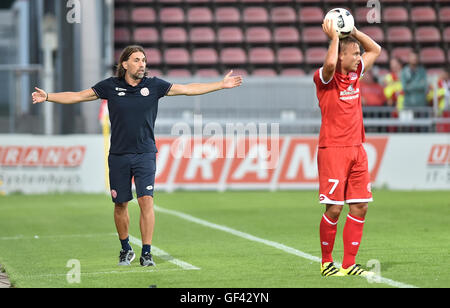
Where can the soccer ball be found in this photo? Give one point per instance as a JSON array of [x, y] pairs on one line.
[[343, 21]]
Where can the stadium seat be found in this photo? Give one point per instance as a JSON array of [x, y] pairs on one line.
[[432, 55], [375, 32], [233, 55], [255, 14], [283, 14], [174, 35], [154, 72], [258, 35], [314, 35], [444, 14], [286, 35], [121, 35], [171, 15], [202, 35], [204, 56], [395, 14], [199, 15], [121, 15], [446, 35], [207, 72], [292, 72], [227, 15], [423, 15], [289, 55], [264, 72], [383, 58], [310, 15], [399, 34], [176, 56], [178, 72], [401, 53], [261, 55], [143, 15], [233, 35], [427, 34], [316, 55], [153, 56], [360, 15], [145, 35]]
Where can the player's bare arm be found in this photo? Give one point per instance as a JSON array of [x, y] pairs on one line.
[[329, 65], [202, 88], [371, 49], [40, 96]]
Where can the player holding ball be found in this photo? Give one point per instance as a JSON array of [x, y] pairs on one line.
[[342, 160]]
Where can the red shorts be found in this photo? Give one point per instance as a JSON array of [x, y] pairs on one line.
[[343, 175]]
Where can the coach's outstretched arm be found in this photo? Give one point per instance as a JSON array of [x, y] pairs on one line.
[[371, 49], [202, 88], [40, 96]]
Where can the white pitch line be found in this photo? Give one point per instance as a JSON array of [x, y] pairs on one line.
[[276, 245]]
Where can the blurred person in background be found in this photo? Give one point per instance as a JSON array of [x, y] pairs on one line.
[[414, 83], [133, 105], [393, 89]]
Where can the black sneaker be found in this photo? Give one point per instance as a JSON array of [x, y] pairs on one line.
[[147, 260], [126, 257]]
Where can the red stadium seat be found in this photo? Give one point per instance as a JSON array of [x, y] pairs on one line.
[[286, 35], [289, 55], [230, 35], [264, 72], [427, 34], [283, 15], [375, 32], [176, 56], [143, 15], [361, 15], [175, 35], [153, 56], [207, 72], [121, 15], [171, 15], [292, 72], [261, 55], [446, 35], [399, 34], [204, 56], [199, 15], [178, 72], [258, 35], [401, 53], [432, 55], [383, 58], [444, 14], [227, 15], [314, 35], [121, 35], [145, 35], [202, 35], [423, 14], [395, 14], [316, 55], [311, 15], [255, 15], [233, 55]]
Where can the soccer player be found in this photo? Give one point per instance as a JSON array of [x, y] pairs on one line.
[[133, 106], [342, 160]]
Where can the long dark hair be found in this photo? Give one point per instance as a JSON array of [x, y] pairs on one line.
[[124, 56]]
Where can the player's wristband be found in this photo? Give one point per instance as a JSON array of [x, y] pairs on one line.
[[46, 99]]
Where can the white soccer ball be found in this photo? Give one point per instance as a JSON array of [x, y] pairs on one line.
[[343, 21]]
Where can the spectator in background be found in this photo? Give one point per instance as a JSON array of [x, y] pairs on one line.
[[393, 89], [372, 93], [414, 83], [441, 92]]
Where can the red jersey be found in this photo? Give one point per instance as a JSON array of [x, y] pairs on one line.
[[340, 104]]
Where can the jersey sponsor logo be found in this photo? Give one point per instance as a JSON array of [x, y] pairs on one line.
[[145, 92], [121, 89], [349, 93]]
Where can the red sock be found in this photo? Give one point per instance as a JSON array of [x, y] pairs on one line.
[[352, 235], [328, 228]]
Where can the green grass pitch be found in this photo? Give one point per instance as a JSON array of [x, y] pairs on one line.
[[406, 232]]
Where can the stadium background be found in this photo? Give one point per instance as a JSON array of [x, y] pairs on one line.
[[276, 45]]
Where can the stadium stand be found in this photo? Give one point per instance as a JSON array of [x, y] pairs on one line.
[[288, 31]]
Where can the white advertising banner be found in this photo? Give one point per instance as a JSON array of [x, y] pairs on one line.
[[42, 164]]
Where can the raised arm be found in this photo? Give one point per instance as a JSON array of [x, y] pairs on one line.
[[371, 49], [202, 88], [40, 96], [329, 65]]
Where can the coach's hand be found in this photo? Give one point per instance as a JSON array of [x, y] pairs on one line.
[[39, 96], [231, 81]]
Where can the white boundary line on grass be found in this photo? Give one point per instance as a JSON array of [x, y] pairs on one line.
[[253, 238]]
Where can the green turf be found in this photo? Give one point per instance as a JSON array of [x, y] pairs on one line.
[[407, 232]]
